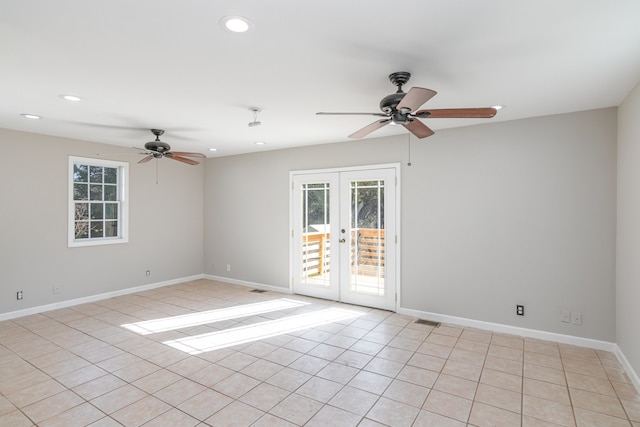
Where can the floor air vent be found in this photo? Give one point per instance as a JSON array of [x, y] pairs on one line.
[[258, 291], [427, 322]]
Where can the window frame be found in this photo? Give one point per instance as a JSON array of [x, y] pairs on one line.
[[122, 196]]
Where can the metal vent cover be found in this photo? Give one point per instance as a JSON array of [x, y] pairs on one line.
[[427, 322]]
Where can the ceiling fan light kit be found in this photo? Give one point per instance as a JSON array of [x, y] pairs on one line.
[[400, 108]]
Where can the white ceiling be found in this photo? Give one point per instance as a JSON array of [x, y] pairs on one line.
[[168, 64]]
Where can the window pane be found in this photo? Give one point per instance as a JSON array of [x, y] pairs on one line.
[[81, 211], [110, 175], [82, 230], [97, 229], [80, 192], [80, 173], [111, 229], [96, 191], [95, 173], [97, 211], [111, 211], [110, 192]]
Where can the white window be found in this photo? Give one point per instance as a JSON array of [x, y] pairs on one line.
[[98, 208]]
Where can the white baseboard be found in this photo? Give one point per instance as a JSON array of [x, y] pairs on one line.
[[530, 333], [513, 330], [633, 376], [93, 298], [248, 284]]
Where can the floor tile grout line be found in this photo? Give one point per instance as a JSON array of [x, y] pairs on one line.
[[378, 323]]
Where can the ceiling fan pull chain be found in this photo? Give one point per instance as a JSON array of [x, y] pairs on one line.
[[409, 145]]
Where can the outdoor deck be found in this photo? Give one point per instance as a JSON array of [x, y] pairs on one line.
[[367, 259]]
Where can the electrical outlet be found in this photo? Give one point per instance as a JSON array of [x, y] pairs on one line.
[[566, 316], [228, 267], [576, 318], [520, 310], [56, 289], [19, 295], [147, 273]]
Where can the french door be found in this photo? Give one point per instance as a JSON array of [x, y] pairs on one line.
[[344, 235]]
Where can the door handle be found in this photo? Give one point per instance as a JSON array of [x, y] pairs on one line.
[[343, 240]]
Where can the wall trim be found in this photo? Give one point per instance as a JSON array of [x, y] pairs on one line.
[[92, 298], [531, 333], [513, 330], [633, 376], [248, 284]]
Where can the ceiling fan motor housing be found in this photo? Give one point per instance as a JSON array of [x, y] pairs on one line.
[[157, 146], [389, 102]]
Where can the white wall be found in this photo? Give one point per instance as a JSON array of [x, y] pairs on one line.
[[493, 215], [628, 230], [165, 233]]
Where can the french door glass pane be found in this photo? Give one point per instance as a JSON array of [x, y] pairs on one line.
[[367, 237], [315, 234]]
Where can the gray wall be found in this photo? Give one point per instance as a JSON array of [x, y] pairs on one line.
[[165, 232], [494, 215], [628, 243]]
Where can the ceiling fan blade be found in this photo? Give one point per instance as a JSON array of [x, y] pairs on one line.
[[351, 114], [186, 154], [370, 128], [146, 159], [418, 128], [457, 113], [415, 98], [181, 159]]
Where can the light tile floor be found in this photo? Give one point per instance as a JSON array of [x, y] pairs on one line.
[[79, 366]]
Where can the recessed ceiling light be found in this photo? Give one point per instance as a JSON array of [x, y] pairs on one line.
[[260, 143], [213, 149], [71, 98], [498, 107], [31, 116], [236, 24]]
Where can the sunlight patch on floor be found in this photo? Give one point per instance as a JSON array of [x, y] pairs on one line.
[[244, 334], [202, 318]]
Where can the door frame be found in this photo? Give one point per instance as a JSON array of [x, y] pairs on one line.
[[398, 225]]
